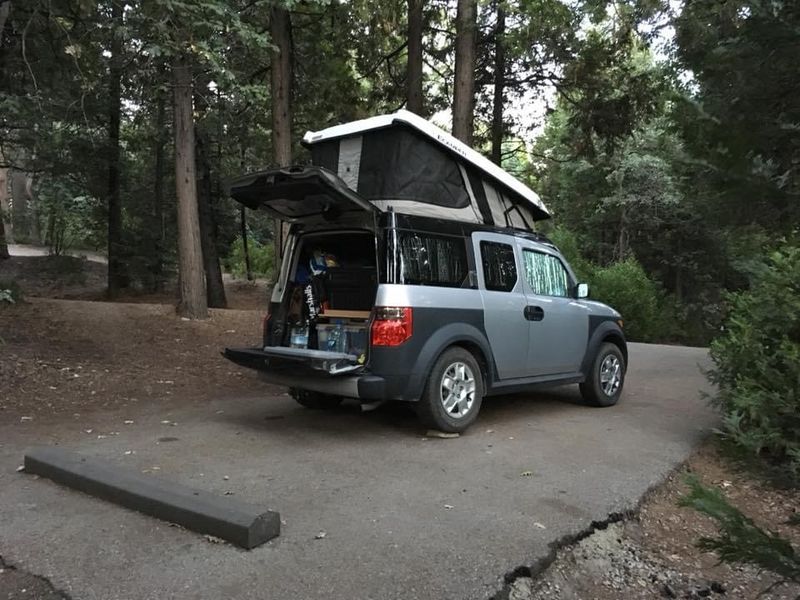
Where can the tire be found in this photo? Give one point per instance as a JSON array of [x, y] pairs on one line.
[[458, 367], [604, 382], [315, 400]]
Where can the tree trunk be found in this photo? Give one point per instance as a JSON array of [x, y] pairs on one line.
[[679, 274], [116, 267], [158, 195], [248, 269], [281, 80], [414, 99], [6, 227], [3, 245], [499, 85], [464, 88], [190, 252], [215, 289], [33, 210], [622, 238], [5, 208], [3, 199], [281, 74], [5, 10], [21, 208]]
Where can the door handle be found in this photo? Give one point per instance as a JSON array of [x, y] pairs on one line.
[[533, 313]]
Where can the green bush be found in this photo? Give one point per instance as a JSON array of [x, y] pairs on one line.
[[757, 362], [569, 245], [69, 218], [262, 259], [625, 286], [740, 539]]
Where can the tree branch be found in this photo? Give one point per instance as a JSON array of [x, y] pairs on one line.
[[384, 57]]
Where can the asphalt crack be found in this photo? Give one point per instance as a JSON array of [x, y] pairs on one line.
[[541, 564], [52, 590]]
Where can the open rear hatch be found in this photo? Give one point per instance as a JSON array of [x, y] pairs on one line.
[[296, 194], [299, 195]]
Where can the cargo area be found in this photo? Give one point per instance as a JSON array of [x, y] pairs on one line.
[[329, 295]]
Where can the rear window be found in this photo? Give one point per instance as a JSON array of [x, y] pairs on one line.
[[427, 259]]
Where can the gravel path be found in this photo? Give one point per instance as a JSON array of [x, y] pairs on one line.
[[27, 250]]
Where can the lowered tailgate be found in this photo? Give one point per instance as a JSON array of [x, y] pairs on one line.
[[279, 358]]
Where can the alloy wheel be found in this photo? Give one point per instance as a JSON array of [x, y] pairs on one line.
[[610, 375], [457, 390]]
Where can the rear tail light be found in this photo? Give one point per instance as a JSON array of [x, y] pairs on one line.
[[391, 326]]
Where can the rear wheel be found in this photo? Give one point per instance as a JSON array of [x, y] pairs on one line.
[[453, 393], [315, 400], [603, 385]]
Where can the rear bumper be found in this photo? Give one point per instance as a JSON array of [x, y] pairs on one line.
[[281, 371]]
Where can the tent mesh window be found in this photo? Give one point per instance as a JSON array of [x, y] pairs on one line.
[[397, 164]]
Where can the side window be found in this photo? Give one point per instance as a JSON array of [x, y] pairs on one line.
[[427, 259], [545, 274], [499, 268]]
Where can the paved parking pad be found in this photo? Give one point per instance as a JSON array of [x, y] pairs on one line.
[[371, 508]]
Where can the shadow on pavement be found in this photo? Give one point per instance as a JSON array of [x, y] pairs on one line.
[[288, 419]]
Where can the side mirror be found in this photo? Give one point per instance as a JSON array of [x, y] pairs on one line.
[[583, 290]]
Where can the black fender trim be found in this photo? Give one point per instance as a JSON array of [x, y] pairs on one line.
[[600, 331], [454, 334]]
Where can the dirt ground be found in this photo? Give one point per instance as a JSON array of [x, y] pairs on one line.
[[653, 554], [76, 278], [62, 359]]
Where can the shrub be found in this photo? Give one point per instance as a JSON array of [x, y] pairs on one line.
[[569, 245], [740, 539], [757, 362], [10, 292], [70, 219], [625, 286], [262, 259]]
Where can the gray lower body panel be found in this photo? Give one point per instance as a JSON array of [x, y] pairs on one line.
[[345, 385]]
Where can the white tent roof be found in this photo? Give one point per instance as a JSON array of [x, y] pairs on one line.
[[436, 134]]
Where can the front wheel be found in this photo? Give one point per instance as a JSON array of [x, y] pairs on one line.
[[453, 393], [315, 400], [603, 385]]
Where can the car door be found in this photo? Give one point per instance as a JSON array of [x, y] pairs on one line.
[[504, 302], [558, 322]]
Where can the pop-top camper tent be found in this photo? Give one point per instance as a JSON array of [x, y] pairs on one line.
[[400, 161]]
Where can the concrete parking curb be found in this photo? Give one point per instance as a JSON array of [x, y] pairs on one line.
[[237, 522]]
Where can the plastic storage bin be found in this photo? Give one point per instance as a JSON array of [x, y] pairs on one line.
[[338, 337], [356, 339], [324, 331], [332, 337], [298, 337]]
